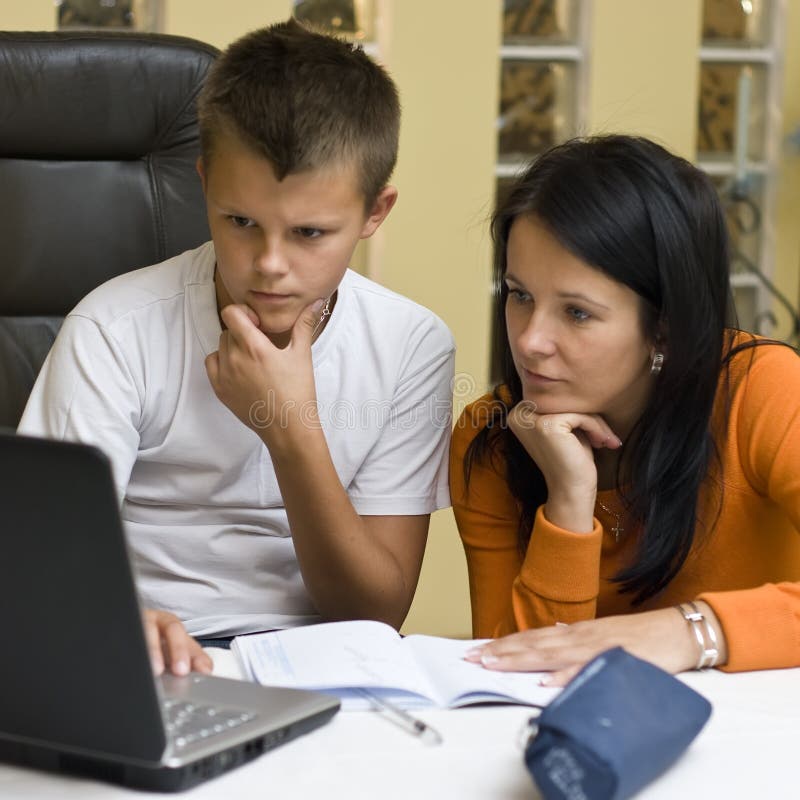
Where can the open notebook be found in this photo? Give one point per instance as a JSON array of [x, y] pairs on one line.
[[341, 658]]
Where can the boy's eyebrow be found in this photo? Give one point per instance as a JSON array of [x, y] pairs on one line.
[[320, 222]]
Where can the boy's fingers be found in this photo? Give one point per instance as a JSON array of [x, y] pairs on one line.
[[170, 645], [212, 369], [153, 638], [201, 661], [176, 646], [239, 320], [307, 323], [252, 316]]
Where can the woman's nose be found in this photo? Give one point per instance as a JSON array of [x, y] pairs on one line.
[[537, 337]]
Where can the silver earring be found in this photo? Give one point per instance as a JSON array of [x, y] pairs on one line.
[[657, 363]]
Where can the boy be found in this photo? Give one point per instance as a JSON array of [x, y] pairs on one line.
[[312, 499]]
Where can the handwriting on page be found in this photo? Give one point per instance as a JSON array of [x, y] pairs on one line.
[[351, 658]]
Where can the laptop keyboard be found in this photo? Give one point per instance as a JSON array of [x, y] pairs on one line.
[[190, 722]]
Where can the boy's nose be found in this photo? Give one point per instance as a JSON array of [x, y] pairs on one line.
[[271, 258]]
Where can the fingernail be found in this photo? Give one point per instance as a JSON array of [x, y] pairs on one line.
[[317, 307], [180, 668], [488, 659], [545, 681], [473, 653]]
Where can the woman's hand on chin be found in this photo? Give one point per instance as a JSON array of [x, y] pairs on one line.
[[562, 446]]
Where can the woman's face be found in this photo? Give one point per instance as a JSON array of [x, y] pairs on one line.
[[576, 335]]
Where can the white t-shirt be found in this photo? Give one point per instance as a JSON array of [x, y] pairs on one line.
[[204, 517]]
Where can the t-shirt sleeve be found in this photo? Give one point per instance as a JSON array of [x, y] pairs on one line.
[[762, 624], [557, 577], [86, 392], [405, 471]]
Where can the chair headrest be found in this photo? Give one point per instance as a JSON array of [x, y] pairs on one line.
[[90, 95], [98, 143]]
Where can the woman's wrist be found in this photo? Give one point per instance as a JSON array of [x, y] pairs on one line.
[[705, 639], [571, 512]]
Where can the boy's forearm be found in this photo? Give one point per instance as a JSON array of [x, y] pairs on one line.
[[348, 571]]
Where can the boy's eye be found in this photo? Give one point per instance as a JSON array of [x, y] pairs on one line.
[[308, 233], [578, 314], [241, 222]]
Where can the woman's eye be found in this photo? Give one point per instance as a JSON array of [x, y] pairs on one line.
[[518, 296], [308, 233], [241, 222], [578, 314]]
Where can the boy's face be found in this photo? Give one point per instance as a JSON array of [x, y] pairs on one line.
[[281, 245]]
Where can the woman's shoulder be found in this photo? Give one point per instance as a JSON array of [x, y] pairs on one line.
[[484, 418], [487, 411], [756, 358], [477, 450], [760, 380]]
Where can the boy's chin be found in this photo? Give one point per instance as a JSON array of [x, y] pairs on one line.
[[278, 327], [278, 338]]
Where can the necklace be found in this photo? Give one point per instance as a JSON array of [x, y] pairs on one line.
[[324, 314], [617, 529]]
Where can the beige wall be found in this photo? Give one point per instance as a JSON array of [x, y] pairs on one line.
[[220, 23], [643, 78], [434, 246], [643, 70], [27, 15]]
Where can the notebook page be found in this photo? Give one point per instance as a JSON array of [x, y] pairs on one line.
[[333, 656], [457, 682]]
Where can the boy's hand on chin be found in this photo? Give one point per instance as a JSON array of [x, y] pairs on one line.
[[265, 386]]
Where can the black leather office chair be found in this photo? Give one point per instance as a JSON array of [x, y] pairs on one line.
[[98, 143]]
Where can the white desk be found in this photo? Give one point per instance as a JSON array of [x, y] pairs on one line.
[[749, 750]]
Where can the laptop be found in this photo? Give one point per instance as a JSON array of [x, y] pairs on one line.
[[77, 692]]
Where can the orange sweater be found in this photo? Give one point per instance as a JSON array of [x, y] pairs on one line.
[[747, 569]]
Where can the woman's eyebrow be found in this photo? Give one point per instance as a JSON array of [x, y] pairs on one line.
[[582, 298]]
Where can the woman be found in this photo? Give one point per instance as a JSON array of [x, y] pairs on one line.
[[635, 479]]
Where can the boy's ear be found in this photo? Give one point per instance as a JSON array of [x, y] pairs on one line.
[[380, 210], [201, 171]]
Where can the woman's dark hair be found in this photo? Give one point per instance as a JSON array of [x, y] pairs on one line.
[[651, 221]]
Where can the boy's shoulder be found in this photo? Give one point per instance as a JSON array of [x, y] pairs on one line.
[[148, 287], [388, 308]]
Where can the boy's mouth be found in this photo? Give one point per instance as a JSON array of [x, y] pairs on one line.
[[270, 297]]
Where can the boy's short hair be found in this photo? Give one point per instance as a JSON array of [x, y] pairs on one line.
[[305, 101]]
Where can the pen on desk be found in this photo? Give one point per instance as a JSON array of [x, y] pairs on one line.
[[400, 717]]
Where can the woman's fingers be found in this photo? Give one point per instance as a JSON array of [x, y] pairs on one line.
[[659, 637]]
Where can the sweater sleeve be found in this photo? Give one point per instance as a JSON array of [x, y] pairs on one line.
[[762, 624], [555, 580]]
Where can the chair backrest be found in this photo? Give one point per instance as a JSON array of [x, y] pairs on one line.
[[98, 144]]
